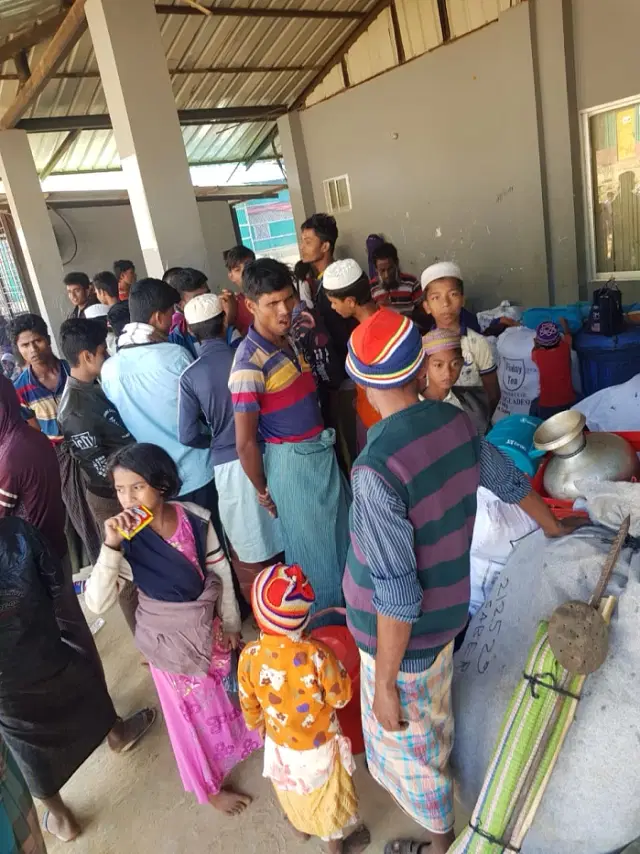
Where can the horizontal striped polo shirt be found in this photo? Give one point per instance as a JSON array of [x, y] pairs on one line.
[[403, 297], [278, 385], [42, 402]]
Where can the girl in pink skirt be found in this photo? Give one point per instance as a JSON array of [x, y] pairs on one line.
[[187, 622]]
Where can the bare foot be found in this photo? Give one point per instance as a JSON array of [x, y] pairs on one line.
[[230, 802], [64, 827], [357, 841], [126, 734], [303, 837]]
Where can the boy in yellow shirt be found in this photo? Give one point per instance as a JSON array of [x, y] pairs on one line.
[[290, 687]]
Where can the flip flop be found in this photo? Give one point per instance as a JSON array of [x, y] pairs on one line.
[[404, 846], [150, 717], [45, 821]]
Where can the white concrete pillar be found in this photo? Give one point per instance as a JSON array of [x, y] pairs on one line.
[[135, 78], [35, 232], [296, 166]]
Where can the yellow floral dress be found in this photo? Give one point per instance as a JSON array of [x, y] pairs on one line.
[[292, 688]]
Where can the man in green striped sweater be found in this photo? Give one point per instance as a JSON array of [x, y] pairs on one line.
[[407, 585]]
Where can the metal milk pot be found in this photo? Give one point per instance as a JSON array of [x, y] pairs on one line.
[[577, 455]]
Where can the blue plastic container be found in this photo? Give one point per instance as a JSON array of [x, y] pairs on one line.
[[607, 361], [514, 437]]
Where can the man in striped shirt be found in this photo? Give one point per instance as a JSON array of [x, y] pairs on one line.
[[391, 287], [275, 402], [41, 383]]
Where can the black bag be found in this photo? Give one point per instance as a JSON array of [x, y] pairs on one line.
[[606, 316]]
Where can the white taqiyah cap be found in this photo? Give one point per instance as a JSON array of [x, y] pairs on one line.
[[341, 274], [97, 310], [441, 270], [203, 307]]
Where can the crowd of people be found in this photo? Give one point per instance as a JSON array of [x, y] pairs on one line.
[[309, 440]]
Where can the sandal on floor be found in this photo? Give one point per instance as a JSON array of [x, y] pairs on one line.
[[404, 846], [45, 822], [149, 716]]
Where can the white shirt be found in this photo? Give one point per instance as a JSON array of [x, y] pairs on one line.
[[478, 358]]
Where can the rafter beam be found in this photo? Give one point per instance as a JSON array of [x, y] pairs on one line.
[[249, 12], [65, 38], [212, 69], [259, 150], [59, 153], [343, 48], [218, 115], [28, 38]]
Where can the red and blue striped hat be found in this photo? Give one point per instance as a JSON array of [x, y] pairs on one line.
[[281, 598], [385, 351]]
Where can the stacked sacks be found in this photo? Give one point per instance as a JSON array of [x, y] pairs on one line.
[[591, 804]]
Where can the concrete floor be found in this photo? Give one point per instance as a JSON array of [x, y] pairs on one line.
[[135, 804]]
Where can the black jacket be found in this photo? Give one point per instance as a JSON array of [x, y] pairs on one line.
[[31, 581], [93, 428]]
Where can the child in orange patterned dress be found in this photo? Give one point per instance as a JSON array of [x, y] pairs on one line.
[[290, 687]]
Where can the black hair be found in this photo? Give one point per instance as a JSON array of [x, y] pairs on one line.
[[106, 282], [121, 267], [360, 290], [79, 334], [80, 279], [148, 296], [207, 329], [325, 228], [386, 252], [265, 276], [237, 255], [186, 279], [169, 275], [118, 316], [302, 271], [152, 463], [28, 323]]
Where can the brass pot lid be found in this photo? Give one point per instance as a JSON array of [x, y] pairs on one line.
[[558, 430], [579, 637]]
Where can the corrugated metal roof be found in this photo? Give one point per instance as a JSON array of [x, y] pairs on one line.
[[419, 26], [468, 15], [193, 44], [18, 14], [213, 62]]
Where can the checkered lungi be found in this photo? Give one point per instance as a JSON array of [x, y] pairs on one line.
[[413, 764]]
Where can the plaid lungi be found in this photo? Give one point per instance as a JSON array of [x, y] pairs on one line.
[[413, 764], [19, 829]]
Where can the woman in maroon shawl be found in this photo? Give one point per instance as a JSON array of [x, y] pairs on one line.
[[29, 473], [54, 705]]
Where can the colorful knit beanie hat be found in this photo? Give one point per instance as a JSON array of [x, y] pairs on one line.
[[281, 598], [547, 334], [439, 340], [385, 351]]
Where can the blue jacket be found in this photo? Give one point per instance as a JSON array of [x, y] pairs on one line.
[[205, 397], [142, 382]]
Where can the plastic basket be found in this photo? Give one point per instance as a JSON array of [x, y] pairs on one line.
[[562, 508]]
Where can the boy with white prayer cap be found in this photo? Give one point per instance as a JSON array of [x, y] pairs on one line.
[[443, 291], [204, 393]]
